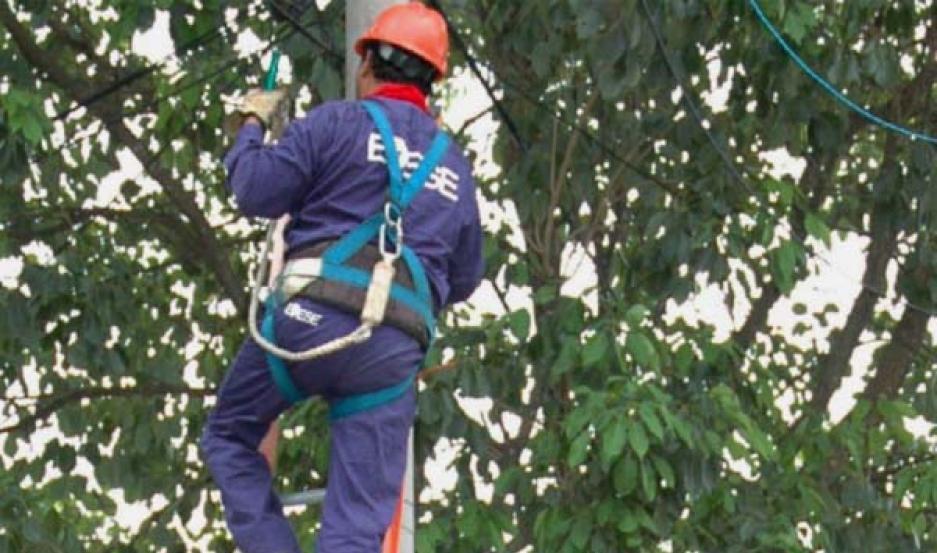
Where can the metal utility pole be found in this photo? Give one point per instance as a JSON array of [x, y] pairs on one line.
[[359, 14]]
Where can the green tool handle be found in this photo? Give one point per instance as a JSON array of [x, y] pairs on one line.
[[270, 81]]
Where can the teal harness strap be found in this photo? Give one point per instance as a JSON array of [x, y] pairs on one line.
[[390, 149], [352, 242], [431, 159], [351, 405], [334, 268], [359, 278], [278, 368], [420, 282]]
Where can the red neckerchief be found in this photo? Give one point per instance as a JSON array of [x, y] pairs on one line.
[[403, 92]]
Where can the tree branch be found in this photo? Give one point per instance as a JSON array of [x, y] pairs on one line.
[[46, 62], [55, 403], [833, 367], [897, 357], [207, 243]]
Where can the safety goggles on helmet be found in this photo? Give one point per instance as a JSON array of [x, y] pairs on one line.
[[409, 66]]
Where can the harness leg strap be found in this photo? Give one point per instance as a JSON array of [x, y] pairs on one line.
[[350, 405], [278, 369]]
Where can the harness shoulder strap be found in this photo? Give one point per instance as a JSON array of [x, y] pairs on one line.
[[390, 148], [431, 160], [402, 194]]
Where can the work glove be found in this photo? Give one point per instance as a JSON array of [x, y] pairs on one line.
[[272, 107]]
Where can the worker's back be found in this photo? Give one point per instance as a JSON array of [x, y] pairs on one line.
[[338, 157]]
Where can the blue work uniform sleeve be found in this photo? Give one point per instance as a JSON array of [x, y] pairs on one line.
[[267, 180], [466, 265]]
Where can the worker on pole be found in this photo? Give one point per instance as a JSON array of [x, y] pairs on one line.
[[385, 225]]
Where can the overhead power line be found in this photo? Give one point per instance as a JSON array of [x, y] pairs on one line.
[[828, 86], [229, 64], [473, 65], [289, 16], [138, 74], [734, 171], [608, 149]]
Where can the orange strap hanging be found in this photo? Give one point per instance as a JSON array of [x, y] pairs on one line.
[[392, 537]]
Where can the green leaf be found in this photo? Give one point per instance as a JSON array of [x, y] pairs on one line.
[[736, 449], [578, 419], [798, 21], [651, 420], [628, 523], [545, 294], [625, 475], [784, 262], [578, 449], [648, 481], [566, 360], [636, 315], [581, 530], [519, 321], [665, 471], [32, 130], [641, 347], [684, 357], [759, 441], [818, 229], [681, 428], [595, 349], [613, 440], [637, 438]]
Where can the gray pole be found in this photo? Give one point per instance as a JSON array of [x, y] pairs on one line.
[[359, 14]]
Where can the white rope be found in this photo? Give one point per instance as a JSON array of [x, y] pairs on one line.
[[372, 314]]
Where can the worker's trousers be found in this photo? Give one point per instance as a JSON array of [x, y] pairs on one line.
[[368, 449]]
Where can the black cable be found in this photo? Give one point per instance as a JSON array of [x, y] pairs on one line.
[[231, 63], [287, 16], [691, 104], [138, 74], [473, 65], [539, 104]]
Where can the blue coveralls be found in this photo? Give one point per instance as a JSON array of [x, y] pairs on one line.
[[329, 174]]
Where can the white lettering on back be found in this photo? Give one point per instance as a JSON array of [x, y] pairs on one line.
[[443, 180]]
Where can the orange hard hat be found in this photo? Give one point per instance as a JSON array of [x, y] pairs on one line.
[[412, 27]]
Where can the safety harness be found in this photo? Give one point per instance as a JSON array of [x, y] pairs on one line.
[[317, 274]]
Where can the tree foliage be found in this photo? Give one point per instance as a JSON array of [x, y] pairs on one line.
[[616, 422]]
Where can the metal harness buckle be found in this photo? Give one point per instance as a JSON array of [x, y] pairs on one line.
[[391, 233]]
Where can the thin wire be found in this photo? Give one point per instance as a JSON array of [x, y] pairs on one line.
[[473, 65], [606, 148], [230, 64], [298, 26], [832, 90], [655, 29], [136, 75]]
